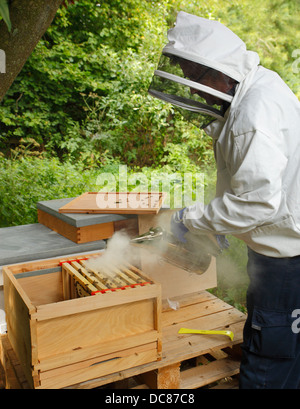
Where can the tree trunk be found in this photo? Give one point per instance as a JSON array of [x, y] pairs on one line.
[[30, 20]]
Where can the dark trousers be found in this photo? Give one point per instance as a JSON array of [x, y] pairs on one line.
[[271, 347]]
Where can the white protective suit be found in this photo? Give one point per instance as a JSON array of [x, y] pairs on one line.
[[257, 145]]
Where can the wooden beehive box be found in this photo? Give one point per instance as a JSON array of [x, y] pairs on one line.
[[60, 342], [83, 228]]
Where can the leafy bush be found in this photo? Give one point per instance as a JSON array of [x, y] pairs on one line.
[[83, 92], [82, 95], [26, 181]]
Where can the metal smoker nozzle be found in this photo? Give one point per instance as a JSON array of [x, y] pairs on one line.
[[152, 234]]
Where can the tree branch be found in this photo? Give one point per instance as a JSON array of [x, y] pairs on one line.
[[30, 20]]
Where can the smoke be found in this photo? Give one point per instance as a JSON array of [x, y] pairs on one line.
[[175, 281], [118, 252], [232, 265]]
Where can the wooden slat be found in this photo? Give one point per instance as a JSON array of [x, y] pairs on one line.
[[44, 264], [67, 369], [96, 371], [221, 319], [200, 346], [99, 350], [11, 282], [67, 268], [108, 299], [205, 374], [89, 276], [13, 375], [114, 276], [138, 271], [103, 278], [188, 299], [118, 270], [194, 311], [129, 271], [38, 272]]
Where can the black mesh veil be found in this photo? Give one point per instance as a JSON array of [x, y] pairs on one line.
[[183, 83]]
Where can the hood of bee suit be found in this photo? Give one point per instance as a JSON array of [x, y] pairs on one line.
[[199, 48], [210, 43]]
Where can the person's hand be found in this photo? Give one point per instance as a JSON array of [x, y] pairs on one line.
[[177, 227]]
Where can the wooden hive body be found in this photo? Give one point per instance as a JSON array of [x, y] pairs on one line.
[[61, 340]]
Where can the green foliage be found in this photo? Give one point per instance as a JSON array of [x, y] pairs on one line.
[[269, 28], [26, 181], [4, 13], [82, 95]]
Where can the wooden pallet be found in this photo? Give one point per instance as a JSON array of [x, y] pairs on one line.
[[188, 361], [11, 373]]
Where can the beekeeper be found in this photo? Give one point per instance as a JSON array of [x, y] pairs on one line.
[[254, 119]]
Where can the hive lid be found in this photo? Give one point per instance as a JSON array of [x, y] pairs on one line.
[[78, 219], [115, 203]]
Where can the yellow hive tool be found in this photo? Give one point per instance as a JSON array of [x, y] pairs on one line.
[[206, 332]]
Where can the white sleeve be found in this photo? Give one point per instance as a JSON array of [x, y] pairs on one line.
[[254, 169]]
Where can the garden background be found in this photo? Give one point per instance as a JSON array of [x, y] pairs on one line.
[[80, 106]]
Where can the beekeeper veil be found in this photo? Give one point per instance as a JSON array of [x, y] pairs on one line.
[[200, 68]]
